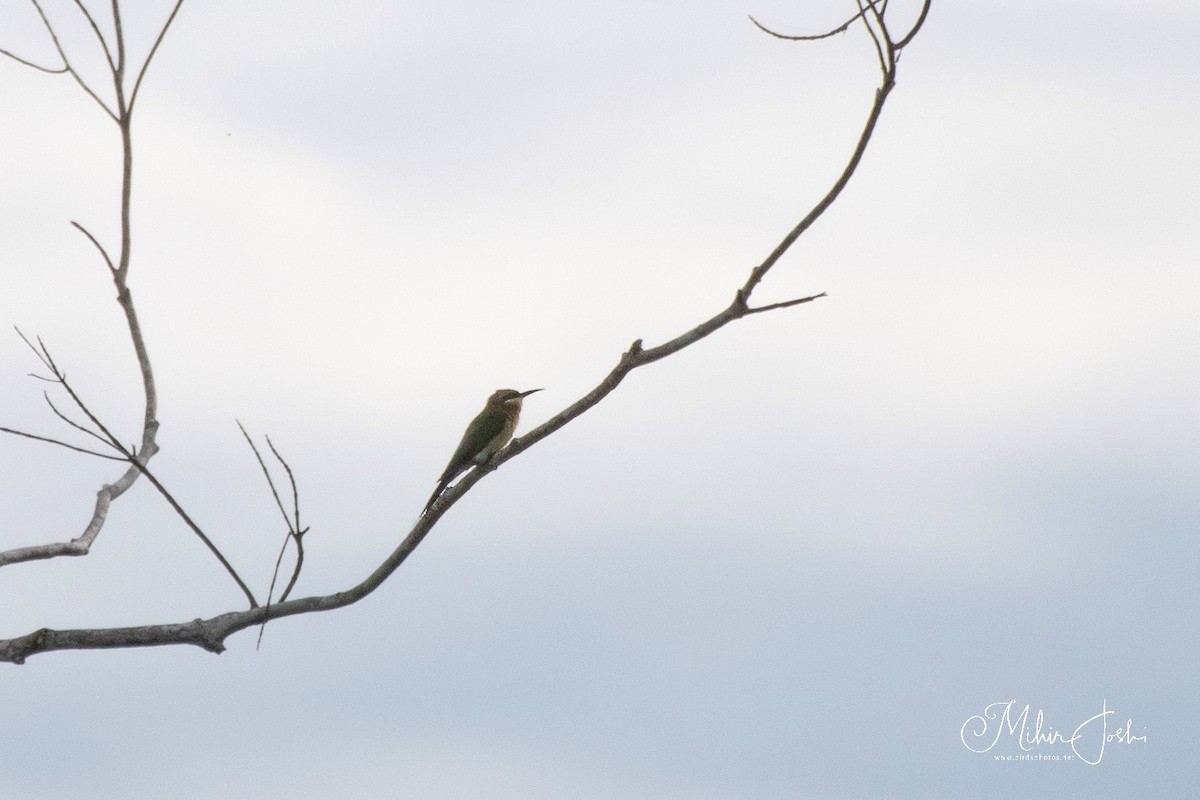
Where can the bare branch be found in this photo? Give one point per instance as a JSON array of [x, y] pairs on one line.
[[756, 275], [298, 536], [295, 528], [271, 590], [61, 444], [100, 36], [61, 378], [908, 37], [99, 247], [119, 67], [211, 634], [266, 474], [119, 271], [82, 544], [137, 84], [785, 304], [73, 423], [67, 63], [35, 350], [38, 67], [845, 26], [187, 520], [139, 462], [883, 46]]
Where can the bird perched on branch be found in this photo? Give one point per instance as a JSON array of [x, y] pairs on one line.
[[484, 437]]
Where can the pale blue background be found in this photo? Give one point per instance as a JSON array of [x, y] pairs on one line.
[[788, 563]]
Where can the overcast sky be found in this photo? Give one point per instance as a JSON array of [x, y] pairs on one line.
[[793, 561]]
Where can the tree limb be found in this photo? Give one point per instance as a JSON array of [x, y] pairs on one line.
[[67, 63], [211, 634], [119, 272]]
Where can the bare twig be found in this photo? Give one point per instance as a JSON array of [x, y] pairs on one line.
[[912, 32], [187, 520], [96, 30], [785, 304], [99, 246], [67, 63], [35, 350], [271, 591], [845, 26], [298, 538], [71, 422], [295, 532], [59, 378], [295, 527], [137, 84], [266, 474], [39, 67], [60, 444], [881, 39], [138, 461]]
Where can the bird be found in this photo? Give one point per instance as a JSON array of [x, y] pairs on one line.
[[484, 437]]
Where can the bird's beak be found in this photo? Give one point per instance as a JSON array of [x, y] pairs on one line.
[[526, 394]]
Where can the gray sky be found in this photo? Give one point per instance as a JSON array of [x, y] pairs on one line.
[[790, 562]]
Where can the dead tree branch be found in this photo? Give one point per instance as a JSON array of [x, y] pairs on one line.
[[105, 436], [210, 634], [122, 114], [295, 532]]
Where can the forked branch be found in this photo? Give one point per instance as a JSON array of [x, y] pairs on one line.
[[121, 113], [295, 533], [101, 433], [211, 634]]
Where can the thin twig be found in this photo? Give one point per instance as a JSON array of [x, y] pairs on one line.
[[297, 532], [845, 26], [908, 37], [71, 422], [266, 474], [785, 304], [99, 35], [119, 67], [137, 84], [61, 444], [38, 67], [271, 592], [29, 344], [99, 246], [298, 537], [112, 440], [883, 64], [67, 63], [138, 462], [295, 528]]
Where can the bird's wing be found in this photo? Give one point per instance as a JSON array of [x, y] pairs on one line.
[[483, 429]]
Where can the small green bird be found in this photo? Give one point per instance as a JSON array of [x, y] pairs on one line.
[[484, 437]]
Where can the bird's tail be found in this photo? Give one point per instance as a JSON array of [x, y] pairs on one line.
[[441, 487]]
